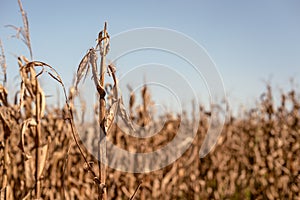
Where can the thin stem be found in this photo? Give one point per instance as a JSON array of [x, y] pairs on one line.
[[137, 188], [3, 64]]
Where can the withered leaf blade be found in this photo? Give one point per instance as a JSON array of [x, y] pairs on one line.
[[93, 60], [24, 59], [83, 68], [22, 93], [42, 103], [111, 116], [124, 115], [40, 73], [43, 151], [25, 127], [55, 77]]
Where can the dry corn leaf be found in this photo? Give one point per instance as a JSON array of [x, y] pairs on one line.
[[83, 68], [43, 151], [122, 112], [93, 62], [25, 126], [3, 95], [42, 103], [110, 116]]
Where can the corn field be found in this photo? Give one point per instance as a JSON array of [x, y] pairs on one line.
[[42, 156]]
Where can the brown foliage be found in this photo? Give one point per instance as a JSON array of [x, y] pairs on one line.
[[255, 158]]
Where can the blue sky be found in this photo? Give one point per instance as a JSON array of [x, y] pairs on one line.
[[249, 41]]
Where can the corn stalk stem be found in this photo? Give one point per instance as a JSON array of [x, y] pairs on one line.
[[102, 157], [37, 141], [5, 169]]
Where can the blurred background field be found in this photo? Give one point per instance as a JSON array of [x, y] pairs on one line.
[[256, 157]]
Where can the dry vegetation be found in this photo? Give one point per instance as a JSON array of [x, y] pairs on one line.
[[257, 156]]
